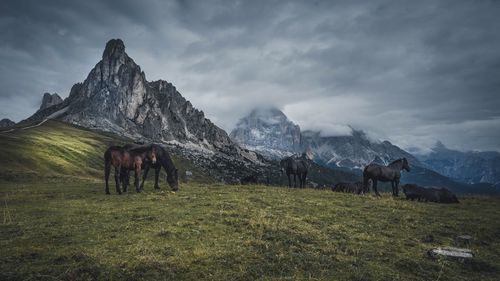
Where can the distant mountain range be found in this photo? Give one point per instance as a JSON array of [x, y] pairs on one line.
[[272, 134], [469, 167]]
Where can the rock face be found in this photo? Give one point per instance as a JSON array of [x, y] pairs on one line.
[[269, 132], [353, 152], [6, 123], [116, 97], [467, 167], [49, 100]]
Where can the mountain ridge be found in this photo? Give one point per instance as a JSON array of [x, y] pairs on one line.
[[349, 153]]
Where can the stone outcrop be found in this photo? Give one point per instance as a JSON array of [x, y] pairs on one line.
[[49, 100], [6, 123]]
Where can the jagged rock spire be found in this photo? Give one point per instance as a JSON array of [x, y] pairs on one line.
[[114, 49], [49, 100]]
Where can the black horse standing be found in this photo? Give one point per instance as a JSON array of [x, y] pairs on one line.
[[295, 167], [162, 160], [391, 172]]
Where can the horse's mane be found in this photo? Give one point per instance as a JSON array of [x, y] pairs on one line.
[[395, 161], [140, 148]]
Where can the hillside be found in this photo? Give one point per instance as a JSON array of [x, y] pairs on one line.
[[60, 150]]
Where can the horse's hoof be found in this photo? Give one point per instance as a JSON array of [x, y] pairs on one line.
[[107, 193]]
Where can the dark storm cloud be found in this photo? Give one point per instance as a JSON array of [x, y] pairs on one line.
[[412, 72]]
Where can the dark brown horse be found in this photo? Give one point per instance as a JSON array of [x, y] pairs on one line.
[[295, 167], [126, 160], [162, 160], [348, 187], [391, 172]]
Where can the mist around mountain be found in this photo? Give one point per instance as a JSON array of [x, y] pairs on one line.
[[269, 132]]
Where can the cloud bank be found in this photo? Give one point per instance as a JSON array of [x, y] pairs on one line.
[[412, 72]]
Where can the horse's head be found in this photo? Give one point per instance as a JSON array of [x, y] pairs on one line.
[[406, 165], [151, 155], [173, 179], [282, 166]]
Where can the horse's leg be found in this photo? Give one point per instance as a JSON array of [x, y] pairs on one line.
[[107, 171], [124, 177], [392, 185], [146, 170], [117, 178], [397, 188], [289, 180], [157, 175], [366, 188], [375, 187], [137, 176], [294, 180]]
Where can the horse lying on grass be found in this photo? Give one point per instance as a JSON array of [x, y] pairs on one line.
[[125, 160], [348, 187], [431, 194]]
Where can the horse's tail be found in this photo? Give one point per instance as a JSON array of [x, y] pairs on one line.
[[107, 163], [366, 180]]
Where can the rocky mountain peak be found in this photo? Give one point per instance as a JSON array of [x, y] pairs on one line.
[[49, 100], [115, 49], [6, 123], [269, 131], [116, 97]]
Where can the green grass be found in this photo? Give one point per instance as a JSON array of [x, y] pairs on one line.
[[59, 150], [72, 231], [57, 224]]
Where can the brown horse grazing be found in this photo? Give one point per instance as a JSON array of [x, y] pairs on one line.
[[391, 172], [126, 160], [162, 160]]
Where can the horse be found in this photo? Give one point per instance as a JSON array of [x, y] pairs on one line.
[[294, 167], [125, 160], [162, 160], [414, 192], [391, 172], [429, 194]]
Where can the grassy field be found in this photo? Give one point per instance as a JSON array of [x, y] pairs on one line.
[[57, 224], [57, 230]]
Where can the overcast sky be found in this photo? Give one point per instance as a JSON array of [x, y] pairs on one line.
[[411, 72]]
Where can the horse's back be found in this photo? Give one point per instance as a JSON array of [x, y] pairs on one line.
[[301, 166]]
